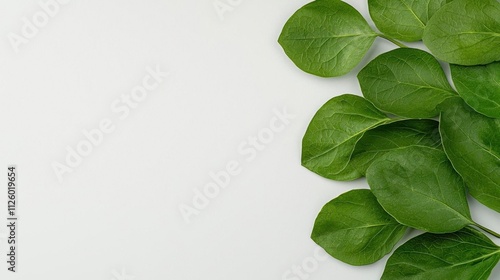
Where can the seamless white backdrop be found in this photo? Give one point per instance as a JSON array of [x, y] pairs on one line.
[[116, 216]]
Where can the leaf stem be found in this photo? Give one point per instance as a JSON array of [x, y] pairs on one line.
[[497, 235], [397, 43]]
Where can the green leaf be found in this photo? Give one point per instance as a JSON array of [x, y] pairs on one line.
[[327, 38], [406, 82], [472, 143], [385, 138], [334, 131], [465, 32], [403, 19], [419, 188], [464, 255], [355, 229], [479, 86]]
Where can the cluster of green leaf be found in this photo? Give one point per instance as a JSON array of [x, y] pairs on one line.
[[422, 144]]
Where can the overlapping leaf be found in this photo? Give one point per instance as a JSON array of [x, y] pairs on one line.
[[472, 143], [327, 38], [403, 19], [479, 86], [405, 82], [465, 255], [385, 138], [465, 32], [419, 188], [355, 229], [334, 131]]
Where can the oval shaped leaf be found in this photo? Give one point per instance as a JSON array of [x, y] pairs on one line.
[[385, 138], [403, 19], [465, 32], [464, 255], [355, 229], [472, 143], [327, 38], [406, 82], [419, 188], [479, 86], [334, 131]]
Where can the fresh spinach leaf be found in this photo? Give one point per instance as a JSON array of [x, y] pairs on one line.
[[419, 188], [385, 138], [472, 143], [406, 82], [334, 131], [465, 255], [327, 38], [403, 19], [465, 32], [355, 229], [479, 86]]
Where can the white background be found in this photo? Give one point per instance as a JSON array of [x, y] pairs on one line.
[[117, 214]]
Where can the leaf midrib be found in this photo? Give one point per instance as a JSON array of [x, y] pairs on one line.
[[348, 139], [371, 226], [480, 32], [479, 258], [398, 148], [423, 86], [457, 264], [447, 206], [331, 37], [479, 145], [413, 190], [411, 11]]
